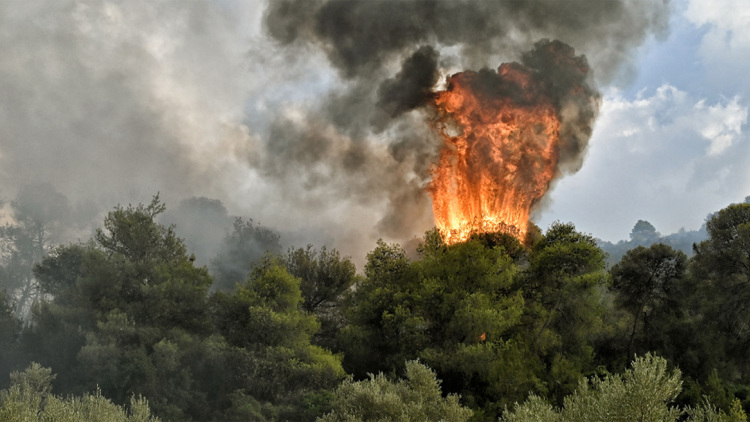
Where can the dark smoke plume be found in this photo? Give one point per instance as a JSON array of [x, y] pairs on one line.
[[412, 85], [366, 141], [360, 36], [296, 113], [566, 79]]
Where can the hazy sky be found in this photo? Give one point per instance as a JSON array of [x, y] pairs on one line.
[[110, 102]]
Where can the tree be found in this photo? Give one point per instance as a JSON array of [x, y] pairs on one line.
[[493, 319], [383, 330], [242, 248], [58, 273], [59, 322], [133, 234], [644, 233], [647, 283], [38, 212], [276, 373], [453, 308], [510, 245], [29, 398], [564, 318], [129, 313], [143, 270], [203, 223], [325, 278], [466, 299], [10, 331], [416, 398], [721, 270]]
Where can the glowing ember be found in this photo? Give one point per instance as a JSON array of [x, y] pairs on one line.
[[502, 135]]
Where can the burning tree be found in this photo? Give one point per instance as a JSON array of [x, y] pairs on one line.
[[507, 135]]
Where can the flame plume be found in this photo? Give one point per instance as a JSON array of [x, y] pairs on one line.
[[505, 133]]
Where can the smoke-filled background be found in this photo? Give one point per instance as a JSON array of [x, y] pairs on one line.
[[309, 116]]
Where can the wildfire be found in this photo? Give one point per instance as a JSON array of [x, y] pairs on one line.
[[502, 133]]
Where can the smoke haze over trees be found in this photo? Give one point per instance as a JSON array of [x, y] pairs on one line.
[[286, 111], [205, 209]]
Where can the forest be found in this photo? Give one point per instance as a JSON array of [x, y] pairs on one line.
[[131, 325]]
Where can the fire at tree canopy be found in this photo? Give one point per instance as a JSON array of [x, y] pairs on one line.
[[508, 135]]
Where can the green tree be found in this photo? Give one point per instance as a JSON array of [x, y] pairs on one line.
[[325, 279], [469, 308], [277, 373], [416, 398], [647, 282], [721, 270], [143, 270], [564, 315], [324, 275], [383, 330], [452, 308], [129, 313], [59, 323]]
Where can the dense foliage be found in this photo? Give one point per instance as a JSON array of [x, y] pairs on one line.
[[485, 329]]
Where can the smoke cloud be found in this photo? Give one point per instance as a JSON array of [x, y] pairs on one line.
[[307, 116], [360, 38], [390, 56]]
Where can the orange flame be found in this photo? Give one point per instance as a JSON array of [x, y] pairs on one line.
[[501, 134]]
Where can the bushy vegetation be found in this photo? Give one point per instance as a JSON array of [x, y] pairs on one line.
[[415, 398], [30, 398], [645, 392], [485, 329]]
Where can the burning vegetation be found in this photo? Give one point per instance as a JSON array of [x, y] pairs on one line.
[[507, 135]]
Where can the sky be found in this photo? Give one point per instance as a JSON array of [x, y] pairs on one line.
[[286, 123], [671, 146]]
